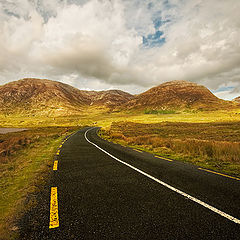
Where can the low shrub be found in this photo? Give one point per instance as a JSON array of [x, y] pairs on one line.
[[211, 144], [152, 111]]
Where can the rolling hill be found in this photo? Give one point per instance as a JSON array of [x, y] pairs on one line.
[[108, 98], [42, 96], [237, 99], [46, 97], [177, 95]]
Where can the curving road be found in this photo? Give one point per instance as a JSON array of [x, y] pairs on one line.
[[106, 191]]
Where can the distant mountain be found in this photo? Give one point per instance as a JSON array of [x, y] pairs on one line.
[[175, 95], [109, 98], [44, 96], [237, 99], [40, 95]]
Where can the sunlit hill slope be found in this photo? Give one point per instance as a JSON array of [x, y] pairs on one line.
[[45, 97], [237, 99], [178, 95], [41, 96]]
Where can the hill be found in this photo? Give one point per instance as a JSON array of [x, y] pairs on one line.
[[42, 96], [45, 97], [237, 99], [110, 98], [177, 95]]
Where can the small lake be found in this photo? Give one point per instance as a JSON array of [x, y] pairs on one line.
[[10, 130]]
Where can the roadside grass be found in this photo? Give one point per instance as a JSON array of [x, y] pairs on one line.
[[211, 145], [25, 171]]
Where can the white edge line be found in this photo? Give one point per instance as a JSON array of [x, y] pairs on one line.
[[223, 214]]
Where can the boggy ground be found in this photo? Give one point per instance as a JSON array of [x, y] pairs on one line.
[[215, 145]]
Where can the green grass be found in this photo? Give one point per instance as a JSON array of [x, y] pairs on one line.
[[24, 172], [152, 111], [104, 118]]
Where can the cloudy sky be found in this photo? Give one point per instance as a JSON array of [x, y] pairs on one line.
[[126, 44]]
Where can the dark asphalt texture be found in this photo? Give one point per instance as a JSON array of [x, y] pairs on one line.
[[100, 198]]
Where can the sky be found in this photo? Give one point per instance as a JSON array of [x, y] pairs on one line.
[[130, 45]]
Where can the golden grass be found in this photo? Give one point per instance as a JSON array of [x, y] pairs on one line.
[[196, 137], [102, 117], [213, 145], [24, 170]]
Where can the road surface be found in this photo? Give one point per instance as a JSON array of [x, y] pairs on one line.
[[101, 190]]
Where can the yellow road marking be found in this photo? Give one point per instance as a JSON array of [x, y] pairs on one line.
[[138, 150], [54, 219], [55, 165], [219, 173], [163, 158]]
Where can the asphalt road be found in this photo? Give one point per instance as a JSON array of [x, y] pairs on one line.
[[142, 197]]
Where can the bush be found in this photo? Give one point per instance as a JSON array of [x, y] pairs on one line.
[[151, 111]]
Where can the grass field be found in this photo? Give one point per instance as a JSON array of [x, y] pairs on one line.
[[102, 117], [214, 145], [24, 169], [209, 139]]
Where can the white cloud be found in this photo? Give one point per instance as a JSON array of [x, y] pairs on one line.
[[99, 43]]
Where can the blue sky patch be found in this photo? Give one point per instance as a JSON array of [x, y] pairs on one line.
[[223, 89], [158, 22], [154, 40]]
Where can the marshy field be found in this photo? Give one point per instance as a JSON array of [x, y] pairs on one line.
[[212, 145]]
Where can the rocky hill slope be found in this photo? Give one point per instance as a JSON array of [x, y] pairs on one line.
[[46, 97], [237, 99], [51, 97], [175, 95], [43, 95], [110, 98]]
